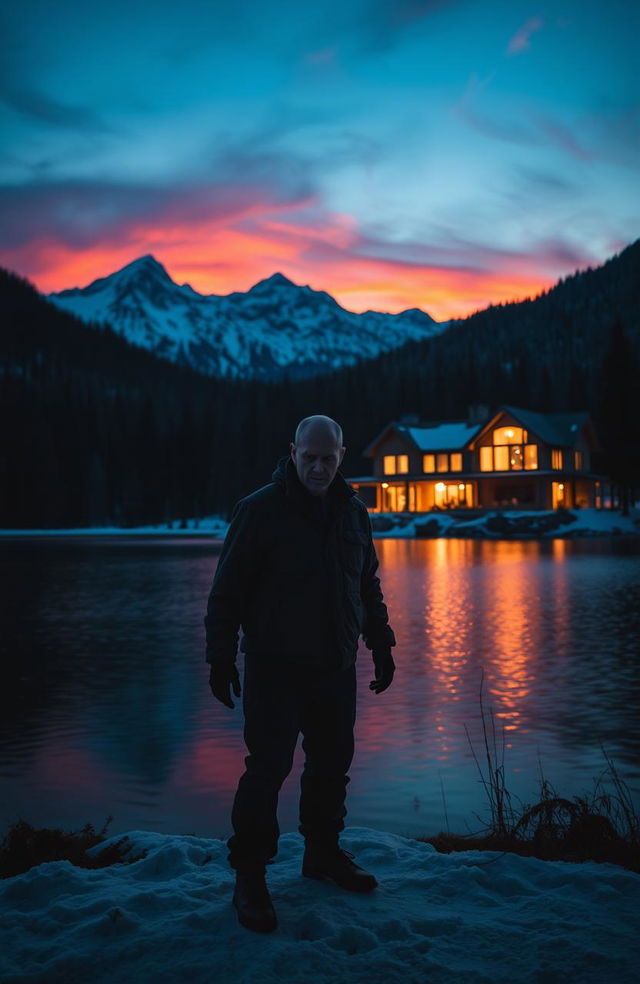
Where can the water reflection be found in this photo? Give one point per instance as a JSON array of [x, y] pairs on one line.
[[107, 708]]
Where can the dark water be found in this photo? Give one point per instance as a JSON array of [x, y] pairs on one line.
[[106, 707]]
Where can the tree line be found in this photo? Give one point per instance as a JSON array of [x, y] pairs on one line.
[[96, 430]]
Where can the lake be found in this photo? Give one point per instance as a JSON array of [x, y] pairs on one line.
[[106, 707]]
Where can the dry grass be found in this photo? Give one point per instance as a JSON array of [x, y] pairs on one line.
[[25, 846], [598, 826]]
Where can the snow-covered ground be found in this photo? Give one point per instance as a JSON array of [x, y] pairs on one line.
[[587, 522], [210, 526], [434, 919]]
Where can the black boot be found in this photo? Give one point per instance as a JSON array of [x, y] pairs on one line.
[[335, 865], [253, 902]]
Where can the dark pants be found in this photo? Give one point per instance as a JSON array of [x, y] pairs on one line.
[[278, 704]]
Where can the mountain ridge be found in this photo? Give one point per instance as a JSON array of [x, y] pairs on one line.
[[276, 328]]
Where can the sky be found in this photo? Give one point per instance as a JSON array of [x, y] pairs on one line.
[[442, 154]]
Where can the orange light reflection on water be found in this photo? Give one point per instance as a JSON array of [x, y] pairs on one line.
[[473, 621], [513, 622], [448, 622]]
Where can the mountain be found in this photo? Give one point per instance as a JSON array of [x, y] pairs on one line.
[[94, 429], [276, 327]]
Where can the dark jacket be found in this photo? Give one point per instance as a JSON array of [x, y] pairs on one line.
[[298, 573]]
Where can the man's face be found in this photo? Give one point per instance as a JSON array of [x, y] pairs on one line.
[[316, 459]]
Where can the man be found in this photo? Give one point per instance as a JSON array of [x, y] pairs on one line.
[[298, 573]]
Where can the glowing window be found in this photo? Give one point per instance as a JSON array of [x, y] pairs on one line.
[[389, 464], [486, 458], [428, 462], [578, 460], [556, 458], [456, 462], [509, 435], [402, 463], [442, 462], [516, 457], [501, 459], [530, 456]]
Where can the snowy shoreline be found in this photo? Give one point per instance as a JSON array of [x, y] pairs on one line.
[[473, 917], [491, 525]]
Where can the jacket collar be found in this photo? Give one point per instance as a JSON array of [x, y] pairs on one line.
[[286, 476]]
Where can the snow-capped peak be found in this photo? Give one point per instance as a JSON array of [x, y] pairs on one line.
[[273, 328], [273, 282]]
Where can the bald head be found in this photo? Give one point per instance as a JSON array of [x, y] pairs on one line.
[[317, 452], [319, 425]]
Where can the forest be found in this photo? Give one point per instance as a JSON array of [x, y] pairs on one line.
[[97, 431]]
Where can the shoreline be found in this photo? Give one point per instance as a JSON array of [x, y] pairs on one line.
[[489, 525]]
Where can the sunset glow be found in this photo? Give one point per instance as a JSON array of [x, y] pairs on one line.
[[343, 147]]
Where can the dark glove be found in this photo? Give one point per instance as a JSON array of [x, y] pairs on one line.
[[224, 676], [385, 668]]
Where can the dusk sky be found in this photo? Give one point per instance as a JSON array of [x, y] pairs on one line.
[[439, 154]]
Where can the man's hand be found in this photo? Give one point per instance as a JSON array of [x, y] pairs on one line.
[[224, 676], [385, 668]]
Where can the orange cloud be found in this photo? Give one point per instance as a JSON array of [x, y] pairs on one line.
[[218, 256]]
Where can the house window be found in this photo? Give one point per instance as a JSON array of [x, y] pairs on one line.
[[509, 457], [556, 459], [393, 498], [516, 457], [501, 458], [442, 462], [456, 462], [578, 460], [486, 458], [451, 496], [428, 462], [509, 435], [395, 464], [558, 495]]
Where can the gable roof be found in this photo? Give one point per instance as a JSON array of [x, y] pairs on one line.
[[561, 429], [442, 437], [438, 436]]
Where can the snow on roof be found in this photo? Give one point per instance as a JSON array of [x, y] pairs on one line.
[[472, 916], [442, 437]]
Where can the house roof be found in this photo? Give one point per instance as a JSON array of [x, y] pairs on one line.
[[562, 429], [437, 437]]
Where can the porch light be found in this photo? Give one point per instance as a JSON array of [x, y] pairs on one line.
[[561, 486], [509, 433], [385, 485], [461, 487], [440, 486]]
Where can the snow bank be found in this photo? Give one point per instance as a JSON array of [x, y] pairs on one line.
[[492, 525], [509, 523], [435, 919], [210, 526]]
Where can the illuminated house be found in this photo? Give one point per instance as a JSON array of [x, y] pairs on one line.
[[511, 458]]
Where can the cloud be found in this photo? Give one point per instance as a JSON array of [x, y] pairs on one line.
[[521, 40], [322, 57], [85, 214], [378, 25], [509, 130], [218, 252], [561, 136], [43, 108], [603, 137]]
